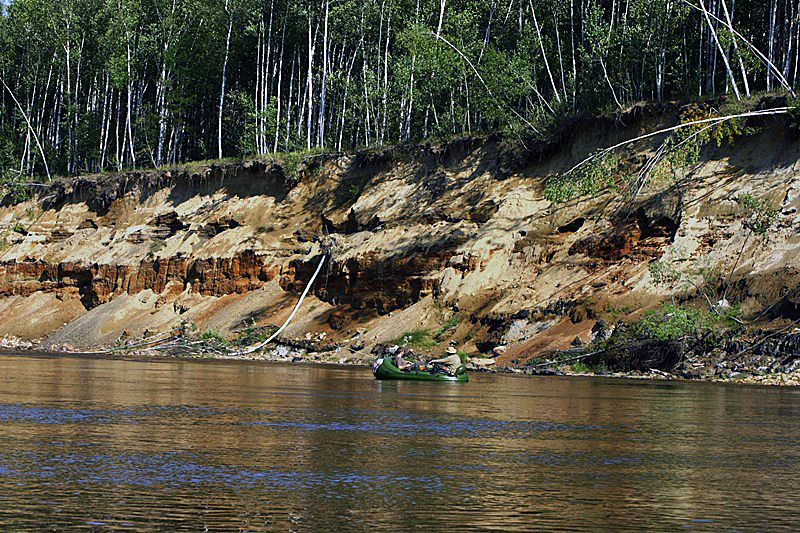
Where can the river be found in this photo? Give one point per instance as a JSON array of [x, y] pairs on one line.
[[115, 445]]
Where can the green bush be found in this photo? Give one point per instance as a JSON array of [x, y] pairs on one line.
[[601, 170], [673, 322], [681, 150], [14, 186], [214, 339], [759, 215], [580, 367], [253, 333], [418, 339], [294, 162], [446, 328]]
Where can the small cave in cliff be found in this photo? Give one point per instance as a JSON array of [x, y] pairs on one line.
[[167, 225], [639, 235], [612, 245], [213, 229], [573, 226], [350, 225], [785, 308], [660, 215], [87, 224], [662, 226]]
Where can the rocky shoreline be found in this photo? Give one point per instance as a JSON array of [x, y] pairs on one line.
[[771, 360]]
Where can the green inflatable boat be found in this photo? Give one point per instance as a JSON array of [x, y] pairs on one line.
[[384, 369]]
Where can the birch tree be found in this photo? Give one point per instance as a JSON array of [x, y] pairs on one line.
[[110, 84]]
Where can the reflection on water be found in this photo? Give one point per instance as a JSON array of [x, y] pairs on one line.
[[141, 446]]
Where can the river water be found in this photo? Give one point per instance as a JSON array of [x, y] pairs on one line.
[[110, 445]]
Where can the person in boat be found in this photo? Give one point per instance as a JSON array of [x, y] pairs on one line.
[[401, 362], [448, 364]]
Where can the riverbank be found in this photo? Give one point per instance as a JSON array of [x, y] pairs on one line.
[[482, 243], [285, 353]]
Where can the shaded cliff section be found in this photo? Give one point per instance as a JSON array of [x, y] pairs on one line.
[[418, 237]]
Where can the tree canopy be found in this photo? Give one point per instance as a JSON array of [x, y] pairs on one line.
[[109, 84]]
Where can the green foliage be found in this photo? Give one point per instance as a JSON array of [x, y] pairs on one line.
[[418, 339], [294, 163], [14, 186], [759, 215], [602, 170], [707, 282], [793, 116], [253, 333], [663, 272], [214, 340], [256, 124], [681, 150], [580, 367], [291, 163], [197, 166], [673, 322], [240, 124], [615, 312], [447, 328], [124, 83]]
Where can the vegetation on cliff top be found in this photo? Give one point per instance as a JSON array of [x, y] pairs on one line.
[[97, 84]]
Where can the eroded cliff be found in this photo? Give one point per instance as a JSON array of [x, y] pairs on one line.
[[453, 237]]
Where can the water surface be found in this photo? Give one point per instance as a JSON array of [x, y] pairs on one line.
[[105, 445]]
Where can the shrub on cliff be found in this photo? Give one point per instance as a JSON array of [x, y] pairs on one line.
[[673, 322], [661, 337]]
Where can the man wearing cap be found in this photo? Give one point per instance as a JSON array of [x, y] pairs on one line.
[[449, 363]]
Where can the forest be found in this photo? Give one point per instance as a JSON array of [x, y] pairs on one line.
[[93, 85]]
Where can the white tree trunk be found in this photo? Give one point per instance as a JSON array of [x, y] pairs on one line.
[[721, 51], [161, 106], [385, 96], [224, 71], [258, 101], [773, 13], [129, 115], [323, 95], [280, 81], [729, 20], [30, 128], [544, 56], [309, 85]]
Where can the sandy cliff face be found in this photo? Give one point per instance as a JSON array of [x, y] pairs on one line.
[[418, 236]]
